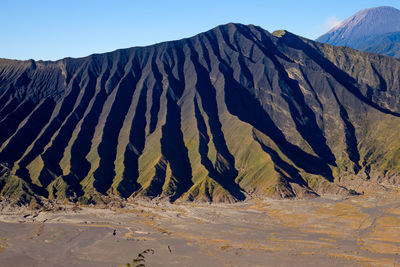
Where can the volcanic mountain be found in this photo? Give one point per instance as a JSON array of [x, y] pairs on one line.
[[375, 30], [229, 114]]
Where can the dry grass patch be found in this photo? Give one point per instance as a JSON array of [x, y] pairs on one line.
[[385, 236], [364, 261], [343, 213], [331, 231], [303, 244], [393, 211], [3, 244], [386, 229], [225, 244], [289, 219], [141, 212], [155, 226], [380, 247]]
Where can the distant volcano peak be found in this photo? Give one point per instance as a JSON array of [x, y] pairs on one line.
[[368, 30], [365, 23]]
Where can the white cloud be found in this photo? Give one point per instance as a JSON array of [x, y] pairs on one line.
[[332, 22]]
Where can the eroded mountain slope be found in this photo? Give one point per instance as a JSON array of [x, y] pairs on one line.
[[227, 114]]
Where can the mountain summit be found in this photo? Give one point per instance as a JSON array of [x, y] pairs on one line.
[[228, 114], [375, 30], [364, 24]]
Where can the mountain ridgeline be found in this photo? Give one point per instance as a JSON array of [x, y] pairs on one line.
[[229, 114]]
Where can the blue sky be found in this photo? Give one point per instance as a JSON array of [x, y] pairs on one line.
[[53, 29]]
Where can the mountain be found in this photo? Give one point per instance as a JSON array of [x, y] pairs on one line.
[[386, 44], [229, 114], [375, 30]]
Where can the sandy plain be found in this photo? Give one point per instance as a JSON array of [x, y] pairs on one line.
[[329, 231]]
